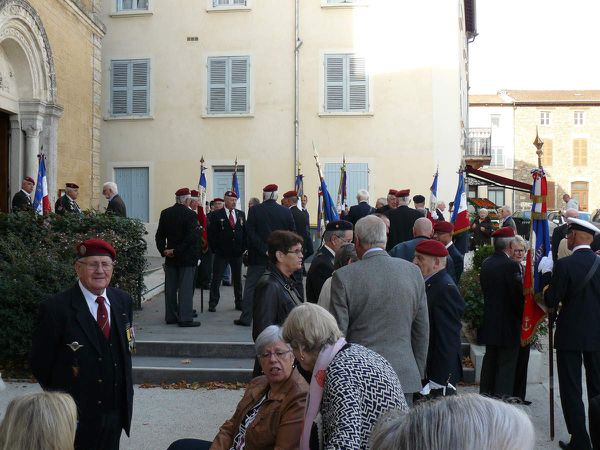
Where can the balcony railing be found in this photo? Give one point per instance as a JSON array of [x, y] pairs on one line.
[[479, 143]]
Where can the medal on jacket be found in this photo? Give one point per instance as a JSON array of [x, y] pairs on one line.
[[74, 346], [130, 333], [222, 224]]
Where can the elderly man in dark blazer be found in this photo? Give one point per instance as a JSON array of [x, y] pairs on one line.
[[422, 229], [82, 345], [380, 302], [362, 209], [22, 199], [502, 287], [402, 220], [116, 205]]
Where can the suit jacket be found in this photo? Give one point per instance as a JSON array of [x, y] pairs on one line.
[[64, 319], [21, 202], [446, 308], [406, 250], [224, 240], [502, 287], [66, 205], [577, 324], [320, 269], [359, 211], [510, 222], [178, 229], [117, 206], [402, 220], [262, 220], [458, 263], [380, 302], [303, 229], [558, 235]]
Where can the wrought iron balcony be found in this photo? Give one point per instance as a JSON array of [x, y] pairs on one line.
[[478, 147]]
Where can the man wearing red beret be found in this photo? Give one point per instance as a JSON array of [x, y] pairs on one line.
[[502, 287], [82, 345], [402, 220], [22, 199], [67, 203], [392, 202], [178, 240], [446, 307]]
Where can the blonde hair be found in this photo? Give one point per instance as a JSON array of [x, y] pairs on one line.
[[44, 420], [311, 327]]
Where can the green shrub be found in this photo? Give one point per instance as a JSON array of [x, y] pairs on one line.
[[481, 254], [470, 289], [36, 261]]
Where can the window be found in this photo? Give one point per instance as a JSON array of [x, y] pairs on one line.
[[544, 117], [580, 152], [497, 156], [578, 117], [551, 197], [346, 84], [579, 192], [222, 181], [548, 153], [131, 5], [130, 87], [495, 120], [357, 177], [217, 3], [133, 184], [228, 86], [496, 195]]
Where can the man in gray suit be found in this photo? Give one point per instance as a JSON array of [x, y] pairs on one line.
[[380, 302]]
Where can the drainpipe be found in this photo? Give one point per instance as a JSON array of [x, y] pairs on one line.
[[298, 44]]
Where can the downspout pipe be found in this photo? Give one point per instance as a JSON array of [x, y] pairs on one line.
[[297, 45]]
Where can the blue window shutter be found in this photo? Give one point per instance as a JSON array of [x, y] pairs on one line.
[[358, 84], [239, 85], [140, 87], [217, 88], [222, 177], [357, 176], [133, 185], [334, 83], [119, 81]]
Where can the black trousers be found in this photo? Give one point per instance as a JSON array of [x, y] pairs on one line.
[[521, 372], [568, 364], [190, 444], [219, 264], [498, 370], [205, 270], [103, 433]]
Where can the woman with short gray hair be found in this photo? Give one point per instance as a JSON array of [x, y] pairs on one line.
[[466, 422]]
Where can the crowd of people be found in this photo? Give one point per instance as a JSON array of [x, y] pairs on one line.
[[367, 356]]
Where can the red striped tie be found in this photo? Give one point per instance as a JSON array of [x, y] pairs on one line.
[[231, 219], [103, 317]]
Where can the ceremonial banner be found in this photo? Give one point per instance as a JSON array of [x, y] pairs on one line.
[[299, 188], [319, 210], [235, 187], [201, 205], [341, 197], [460, 215], [539, 246], [41, 201], [433, 189], [329, 211]]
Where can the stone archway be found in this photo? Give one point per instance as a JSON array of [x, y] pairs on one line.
[[28, 92]]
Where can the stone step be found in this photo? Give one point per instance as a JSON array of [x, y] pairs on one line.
[[155, 369], [195, 349]]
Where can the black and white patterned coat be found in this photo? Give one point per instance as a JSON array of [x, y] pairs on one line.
[[360, 386]]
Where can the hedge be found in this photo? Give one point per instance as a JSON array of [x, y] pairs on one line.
[[36, 261]]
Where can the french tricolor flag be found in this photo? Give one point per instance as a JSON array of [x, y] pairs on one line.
[[460, 215], [41, 201]]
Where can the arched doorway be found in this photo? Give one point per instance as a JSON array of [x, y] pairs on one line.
[[27, 97]]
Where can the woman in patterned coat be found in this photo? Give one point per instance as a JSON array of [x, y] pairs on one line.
[[350, 386]]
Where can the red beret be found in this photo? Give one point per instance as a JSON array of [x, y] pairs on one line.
[[182, 191], [392, 192], [403, 193], [29, 179], [72, 185], [289, 194], [194, 193], [443, 227], [431, 248], [231, 194], [504, 232], [270, 188], [218, 199], [95, 247]]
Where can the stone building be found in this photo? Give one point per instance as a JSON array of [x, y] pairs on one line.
[[50, 94]]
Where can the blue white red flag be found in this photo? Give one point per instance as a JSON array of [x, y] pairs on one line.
[[235, 187], [41, 201], [329, 211], [201, 205], [341, 197], [299, 188], [433, 189], [460, 215]]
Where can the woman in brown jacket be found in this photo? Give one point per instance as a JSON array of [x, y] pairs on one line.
[[269, 416]]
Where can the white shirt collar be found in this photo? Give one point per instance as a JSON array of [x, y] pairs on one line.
[[373, 249], [449, 244], [26, 193], [581, 246], [90, 299]]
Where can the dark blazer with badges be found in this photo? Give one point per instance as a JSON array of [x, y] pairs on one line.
[[21, 202], [264, 218], [65, 205], [577, 324], [224, 240], [178, 229], [117, 206], [402, 220], [303, 229], [65, 319], [359, 211], [502, 287], [446, 308], [321, 268]]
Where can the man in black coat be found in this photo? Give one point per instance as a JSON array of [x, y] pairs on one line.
[[116, 205], [362, 209], [402, 220], [337, 234], [442, 231], [262, 220], [227, 238], [502, 287], [82, 345], [560, 232], [22, 199], [66, 204], [575, 285], [446, 307], [178, 240]]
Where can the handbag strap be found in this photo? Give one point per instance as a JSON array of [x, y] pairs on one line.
[[590, 273]]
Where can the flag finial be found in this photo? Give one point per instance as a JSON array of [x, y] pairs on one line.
[[538, 143], [202, 159]]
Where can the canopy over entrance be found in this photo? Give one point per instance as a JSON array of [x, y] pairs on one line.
[[487, 178]]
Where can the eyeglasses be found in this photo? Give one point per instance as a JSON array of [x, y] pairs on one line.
[[279, 354], [104, 265], [345, 241], [519, 250], [296, 252]]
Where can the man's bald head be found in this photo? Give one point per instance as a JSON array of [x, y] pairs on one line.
[[422, 227], [572, 212]]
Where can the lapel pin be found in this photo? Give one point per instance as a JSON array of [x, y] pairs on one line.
[[74, 346]]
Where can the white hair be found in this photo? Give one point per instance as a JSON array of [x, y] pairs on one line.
[[362, 195], [268, 336], [403, 200], [270, 195], [182, 198], [371, 232], [112, 186], [507, 209]]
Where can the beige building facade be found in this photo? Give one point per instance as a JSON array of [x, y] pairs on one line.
[[262, 80], [50, 94]]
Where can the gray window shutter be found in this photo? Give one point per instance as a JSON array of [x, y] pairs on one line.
[[334, 83], [239, 85], [140, 87], [239, 2], [119, 76], [217, 71], [358, 87]]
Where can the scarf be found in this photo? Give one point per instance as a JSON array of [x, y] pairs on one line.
[[315, 392]]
